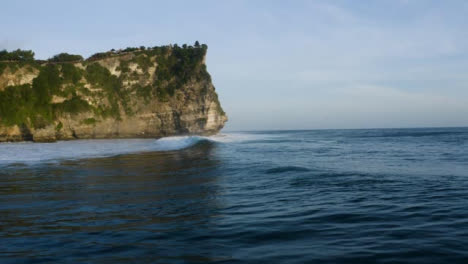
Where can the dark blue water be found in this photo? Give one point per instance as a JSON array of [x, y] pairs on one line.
[[329, 196]]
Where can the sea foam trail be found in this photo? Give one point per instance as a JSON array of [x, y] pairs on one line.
[[34, 153]]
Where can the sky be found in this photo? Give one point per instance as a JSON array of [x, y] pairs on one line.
[[283, 64]]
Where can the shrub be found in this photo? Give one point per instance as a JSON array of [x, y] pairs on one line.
[[74, 105], [101, 77], [143, 91], [143, 61], [97, 75], [17, 55], [3, 66], [46, 84], [71, 74], [130, 49], [98, 55], [123, 67], [89, 121], [16, 104], [59, 127], [65, 57]]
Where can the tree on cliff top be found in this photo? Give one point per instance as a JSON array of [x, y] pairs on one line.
[[17, 55], [65, 57]]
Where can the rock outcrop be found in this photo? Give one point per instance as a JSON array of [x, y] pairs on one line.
[[140, 93]]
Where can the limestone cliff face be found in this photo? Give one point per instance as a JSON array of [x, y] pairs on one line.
[[139, 94]]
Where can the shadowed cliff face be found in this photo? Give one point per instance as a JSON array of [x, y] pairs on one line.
[[155, 92]]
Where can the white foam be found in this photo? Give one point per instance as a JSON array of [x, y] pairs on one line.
[[176, 143], [28, 152], [33, 153]]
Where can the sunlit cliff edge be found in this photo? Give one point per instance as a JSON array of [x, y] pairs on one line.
[[131, 93]]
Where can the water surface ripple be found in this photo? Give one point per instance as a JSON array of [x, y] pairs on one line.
[[325, 196]]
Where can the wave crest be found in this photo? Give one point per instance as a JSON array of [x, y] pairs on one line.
[[177, 143], [33, 153]]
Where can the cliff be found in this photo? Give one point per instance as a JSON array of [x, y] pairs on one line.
[[135, 93]]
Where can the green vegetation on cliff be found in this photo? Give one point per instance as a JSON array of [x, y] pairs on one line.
[[16, 55], [17, 59], [65, 57], [182, 62], [32, 104], [111, 85], [67, 85]]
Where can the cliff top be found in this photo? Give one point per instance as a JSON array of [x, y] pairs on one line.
[[19, 55]]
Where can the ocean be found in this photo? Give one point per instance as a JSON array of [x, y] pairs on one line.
[[309, 196]]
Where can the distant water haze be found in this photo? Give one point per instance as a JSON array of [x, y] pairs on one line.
[[283, 64]]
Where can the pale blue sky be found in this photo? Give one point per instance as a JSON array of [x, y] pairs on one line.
[[283, 64]]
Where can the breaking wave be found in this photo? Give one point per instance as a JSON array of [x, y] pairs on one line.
[[31, 153]]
